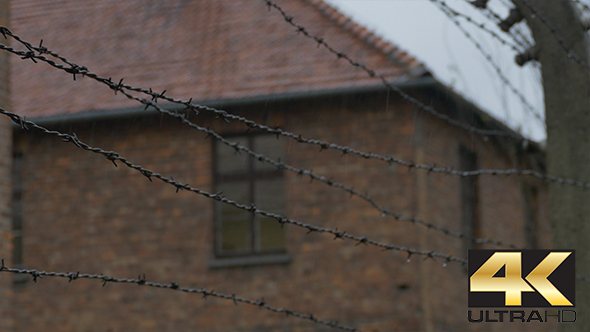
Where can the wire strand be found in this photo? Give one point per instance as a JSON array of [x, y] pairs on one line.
[[372, 73], [452, 14], [142, 281]]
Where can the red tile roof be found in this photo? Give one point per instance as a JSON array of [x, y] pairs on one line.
[[200, 49]]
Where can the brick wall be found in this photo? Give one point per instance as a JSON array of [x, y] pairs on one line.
[[501, 213], [5, 178], [81, 213]]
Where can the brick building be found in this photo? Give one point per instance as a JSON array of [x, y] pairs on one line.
[[73, 211]]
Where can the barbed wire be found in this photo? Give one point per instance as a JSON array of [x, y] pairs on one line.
[[372, 73], [142, 281], [114, 156], [516, 34], [223, 115], [493, 16], [452, 14], [481, 26], [570, 52]]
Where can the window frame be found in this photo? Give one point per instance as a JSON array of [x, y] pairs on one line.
[[251, 176], [19, 280], [468, 161]]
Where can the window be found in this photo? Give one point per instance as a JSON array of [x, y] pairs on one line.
[[469, 197], [17, 219], [248, 181]]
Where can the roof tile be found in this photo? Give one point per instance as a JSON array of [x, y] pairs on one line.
[[197, 49]]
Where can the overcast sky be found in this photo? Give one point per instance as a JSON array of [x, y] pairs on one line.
[[425, 32]]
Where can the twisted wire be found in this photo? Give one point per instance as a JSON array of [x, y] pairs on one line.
[[142, 281], [570, 53], [452, 14], [493, 16], [481, 26], [301, 29]]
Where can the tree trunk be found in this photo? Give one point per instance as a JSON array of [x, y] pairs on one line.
[[567, 109]]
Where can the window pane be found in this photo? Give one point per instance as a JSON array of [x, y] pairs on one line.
[[269, 194], [272, 235], [270, 197], [17, 253], [235, 235], [269, 146], [230, 161], [234, 223]]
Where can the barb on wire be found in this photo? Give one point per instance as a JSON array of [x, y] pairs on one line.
[[114, 157], [142, 281], [452, 14], [223, 115], [301, 29]]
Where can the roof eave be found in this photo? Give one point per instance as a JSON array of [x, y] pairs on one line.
[[96, 115]]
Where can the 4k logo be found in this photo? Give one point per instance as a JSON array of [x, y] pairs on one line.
[[525, 278]]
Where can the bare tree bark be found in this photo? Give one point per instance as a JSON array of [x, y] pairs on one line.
[[567, 108]]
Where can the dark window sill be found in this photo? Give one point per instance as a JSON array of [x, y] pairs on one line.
[[217, 262]]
